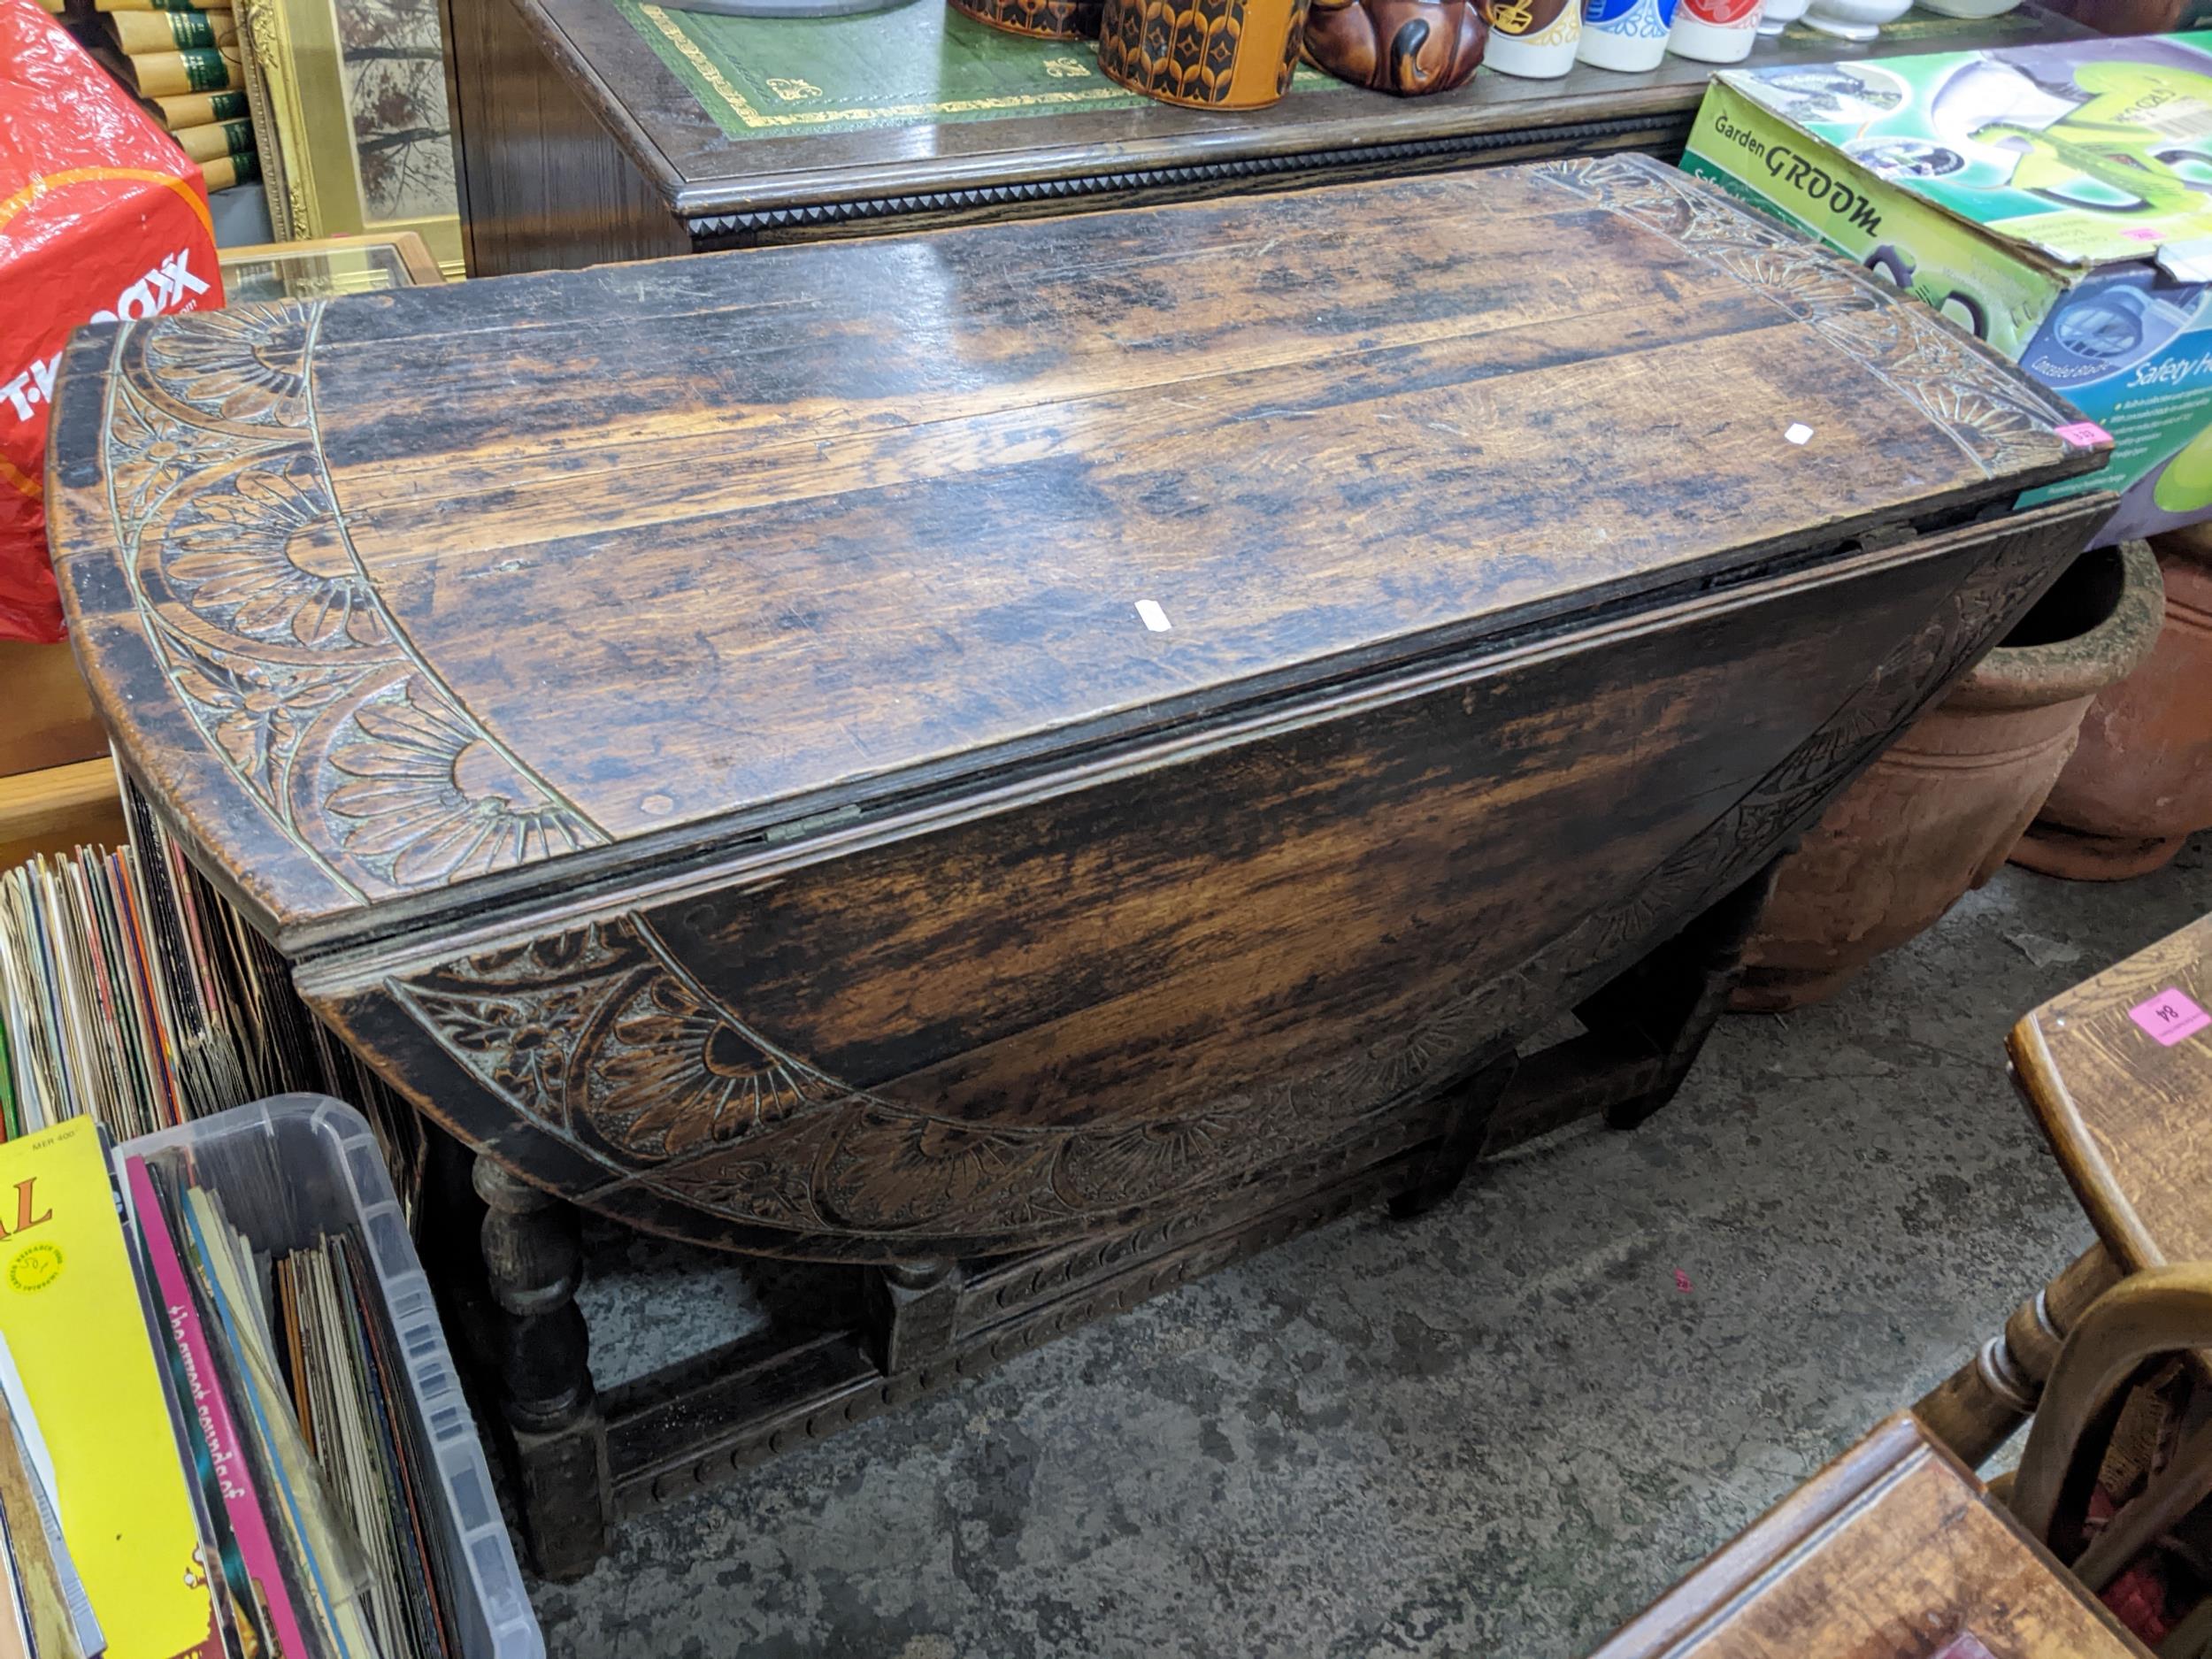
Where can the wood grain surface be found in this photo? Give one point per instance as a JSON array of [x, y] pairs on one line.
[[1893, 1551], [2125, 1111], [50, 721], [674, 554], [1018, 1017], [59, 809]]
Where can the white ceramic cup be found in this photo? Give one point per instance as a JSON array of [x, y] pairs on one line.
[[1715, 31], [1533, 38], [1859, 20], [1626, 34], [1777, 15]]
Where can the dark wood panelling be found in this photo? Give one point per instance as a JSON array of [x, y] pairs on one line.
[[542, 185]]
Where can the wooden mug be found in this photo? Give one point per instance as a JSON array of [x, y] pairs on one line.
[[1039, 19], [1209, 54]]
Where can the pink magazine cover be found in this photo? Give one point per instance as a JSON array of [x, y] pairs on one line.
[[240, 1504]]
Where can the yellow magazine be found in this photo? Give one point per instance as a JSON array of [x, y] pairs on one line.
[[69, 1307]]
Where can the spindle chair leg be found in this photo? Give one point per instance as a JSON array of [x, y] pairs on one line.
[[1979, 1407]]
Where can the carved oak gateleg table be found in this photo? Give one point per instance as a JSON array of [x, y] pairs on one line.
[[1030, 762]]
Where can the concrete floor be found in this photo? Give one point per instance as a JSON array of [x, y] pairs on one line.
[[1497, 1431]]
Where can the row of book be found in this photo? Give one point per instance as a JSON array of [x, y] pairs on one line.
[[182, 64], [204, 1451], [131, 993]]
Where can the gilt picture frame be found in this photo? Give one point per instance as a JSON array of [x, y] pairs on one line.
[[348, 104]]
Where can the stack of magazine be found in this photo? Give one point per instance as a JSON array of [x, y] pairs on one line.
[[132, 993], [202, 1451]]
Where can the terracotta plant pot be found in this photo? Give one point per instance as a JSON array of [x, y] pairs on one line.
[[1936, 815], [1211, 54], [2140, 783]]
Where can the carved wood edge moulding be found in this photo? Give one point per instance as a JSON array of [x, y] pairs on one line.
[[603, 1053], [271, 634], [1990, 415]]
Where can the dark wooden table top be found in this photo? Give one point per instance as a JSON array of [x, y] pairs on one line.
[[1893, 1551], [2119, 1069], [410, 590], [877, 117]]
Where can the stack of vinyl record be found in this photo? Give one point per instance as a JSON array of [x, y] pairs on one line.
[[206, 1449], [299, 1523], [181, 62], [130, 993]]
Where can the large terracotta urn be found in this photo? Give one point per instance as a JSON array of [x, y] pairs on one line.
[[2140, 782], [1937, 814]]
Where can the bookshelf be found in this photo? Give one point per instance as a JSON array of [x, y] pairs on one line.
[[56, 786], [57, 808]]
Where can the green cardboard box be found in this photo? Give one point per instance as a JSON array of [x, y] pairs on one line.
[[2055, 200]]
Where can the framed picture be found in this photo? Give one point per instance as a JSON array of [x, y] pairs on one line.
[[327, 269], [349, 103]]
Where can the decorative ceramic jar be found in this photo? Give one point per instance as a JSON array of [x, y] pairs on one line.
[[1629, 35], [2140, 783], [1535, 39], [1937, 813], [1041, 20], [1403, 46], [1211, 54], [1777, 15], [1858, 21]]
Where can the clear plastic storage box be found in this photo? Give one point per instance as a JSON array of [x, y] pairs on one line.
[[296, 1168]]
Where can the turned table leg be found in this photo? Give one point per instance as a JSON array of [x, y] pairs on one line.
[[1975, 1409], [912, 1310], [1474, 1105], [532, 1258], [1676, 995]]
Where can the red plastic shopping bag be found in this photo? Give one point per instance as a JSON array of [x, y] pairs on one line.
[[100, 216]]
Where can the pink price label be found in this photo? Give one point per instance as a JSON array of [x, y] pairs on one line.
[[2083, 435], [2169, 1016]]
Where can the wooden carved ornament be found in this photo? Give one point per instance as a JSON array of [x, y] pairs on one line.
[[1408, 47]]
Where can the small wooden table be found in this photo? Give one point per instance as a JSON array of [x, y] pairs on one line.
[[592, 130], [1034, 760], [1893, 1551], [2118, 1071]]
